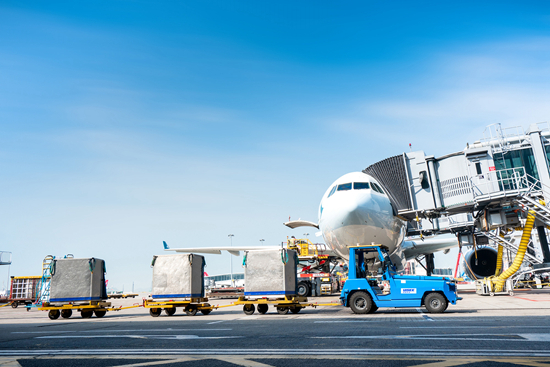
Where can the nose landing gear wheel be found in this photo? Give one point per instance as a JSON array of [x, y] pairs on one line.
[[191, 310], [66, 313], [170, 311], [53, 314], [155, 312], [282, 310], [249, 309], [263, 309]]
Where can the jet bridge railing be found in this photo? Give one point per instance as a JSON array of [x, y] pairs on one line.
[[505, 183]]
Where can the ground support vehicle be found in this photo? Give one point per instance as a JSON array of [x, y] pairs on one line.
[[283, 306], [87, 309], [364, 292], [484, 287], [24, 290], [190, 306]]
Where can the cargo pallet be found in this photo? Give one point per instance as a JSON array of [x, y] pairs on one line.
[[190, 306], [87, 310], [284, 305]]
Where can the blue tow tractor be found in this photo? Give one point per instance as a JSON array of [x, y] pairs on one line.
[[364, 292]]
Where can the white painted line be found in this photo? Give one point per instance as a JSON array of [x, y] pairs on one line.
[[281, 352], [175, 337], [114, 330], [472, 327], [214, 322], [428, 318], [536, 337]]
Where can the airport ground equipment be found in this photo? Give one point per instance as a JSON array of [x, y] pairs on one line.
[[77, 280], [178, 276], [363, 293], [485, 287], [269, 273], [86, 309], [24, 290], [283, 305], [190, 306]]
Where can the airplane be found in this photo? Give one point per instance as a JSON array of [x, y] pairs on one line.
[[355, 211]]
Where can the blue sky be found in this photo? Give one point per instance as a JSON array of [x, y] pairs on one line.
[[126, 123]]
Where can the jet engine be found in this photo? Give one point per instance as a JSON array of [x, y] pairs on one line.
[[480, 265]]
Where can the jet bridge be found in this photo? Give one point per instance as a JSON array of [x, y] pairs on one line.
[[474, 191]]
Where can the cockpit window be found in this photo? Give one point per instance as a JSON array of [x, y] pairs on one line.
[[361, 185], [377, 188], [344, 187], [331, 191]]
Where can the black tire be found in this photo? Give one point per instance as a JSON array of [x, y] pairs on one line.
[[435, 302], [262, 308], [86, 314], [249, 309], [100, 313], [14, 304], [373, 308], [282, 310], [302, 289], [206, 311], [191, 310], [295, 309], [155, 312], [66, 313], [170, 311], [54, 314], [360, 302]]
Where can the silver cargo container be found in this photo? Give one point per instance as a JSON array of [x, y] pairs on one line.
[[270, 272], [75, 280], [178, 276]]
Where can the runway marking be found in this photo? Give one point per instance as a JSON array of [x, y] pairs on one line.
[[428, 318], [242, 361], [472, 327], [163, 362], [536, 337], [471, 337], [281, 353], [167, 337], [533, 300], [114, 330], [214, 322]]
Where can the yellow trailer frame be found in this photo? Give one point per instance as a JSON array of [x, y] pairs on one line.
[[284, 305], [191, 306], [87, 310]]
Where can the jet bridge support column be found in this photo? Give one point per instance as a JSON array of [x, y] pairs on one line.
[[544, 243], [540, 157]]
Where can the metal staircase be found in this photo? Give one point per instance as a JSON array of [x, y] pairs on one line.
[[510, 246], [529, 203], [44, 288]]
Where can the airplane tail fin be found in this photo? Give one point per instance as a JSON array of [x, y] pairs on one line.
[[165, 245]]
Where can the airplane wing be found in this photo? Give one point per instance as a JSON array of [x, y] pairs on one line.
[[417, 247], [235, 250], [301, 223]]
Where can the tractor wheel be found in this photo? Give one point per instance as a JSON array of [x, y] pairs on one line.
[[302, 289], [373, 308], [262, 308], [360, 302], [435, 302]]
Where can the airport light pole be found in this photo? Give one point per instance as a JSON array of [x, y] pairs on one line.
[[262, 241], [231, 258]]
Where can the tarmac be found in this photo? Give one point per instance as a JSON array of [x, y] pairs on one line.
[[479, 331]]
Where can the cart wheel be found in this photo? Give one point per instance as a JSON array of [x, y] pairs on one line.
[[66, 313], [191, 310], [249, 309], [100, 313], [511, 293], [491, 294], [155, 312], [14, 304], [282, 310], [86, 314], [296, 309], [53, 314], [206, 311], [373, 308], [360, 302], [435, 302], [262, 308], [170, 311]]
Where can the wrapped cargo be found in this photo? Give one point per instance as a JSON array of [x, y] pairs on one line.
[[270, 272], [75, 280], [178, 276]]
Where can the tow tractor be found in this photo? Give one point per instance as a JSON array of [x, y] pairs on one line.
[[364, 291]]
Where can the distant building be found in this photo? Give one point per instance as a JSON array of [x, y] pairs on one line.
[[224, 280]]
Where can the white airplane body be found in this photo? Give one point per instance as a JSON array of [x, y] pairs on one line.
[[355, 211]]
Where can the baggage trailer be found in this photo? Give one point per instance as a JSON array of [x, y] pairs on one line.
[[365, 292], [87, 310], [24, 290], [283, 306], [190, 306]]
